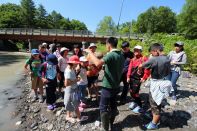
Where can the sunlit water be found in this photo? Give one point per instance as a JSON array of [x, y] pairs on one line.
[[11, 70]]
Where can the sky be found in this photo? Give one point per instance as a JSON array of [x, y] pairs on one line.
[[91, 12]]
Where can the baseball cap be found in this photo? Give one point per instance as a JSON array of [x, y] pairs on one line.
[[44, 44], [179, 43], [35, 52], [74, 60], [138, 47], [83, 59], [52, 59], [125, 44], [92, 45], [64, 49]]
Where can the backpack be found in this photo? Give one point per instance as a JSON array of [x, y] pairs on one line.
[[31, 60]]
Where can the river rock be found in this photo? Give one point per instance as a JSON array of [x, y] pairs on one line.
[[36, 110], [34, 125], [18, 123], [58, 113], [192, 98], [11, 97], [50, 127]]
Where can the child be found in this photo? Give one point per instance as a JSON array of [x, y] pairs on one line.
[[135, 79], [62, 63], [49, 72], [159, 86], [71, 96], [82, 83], [34, 64]]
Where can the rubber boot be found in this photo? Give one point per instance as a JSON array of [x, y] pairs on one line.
[[105, 121]]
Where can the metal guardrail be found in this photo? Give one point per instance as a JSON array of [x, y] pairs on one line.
[[59, 32]]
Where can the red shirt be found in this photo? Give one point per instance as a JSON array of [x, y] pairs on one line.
[[136, 62]]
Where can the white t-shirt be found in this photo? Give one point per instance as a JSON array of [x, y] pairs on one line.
[[83, 77], [62, 63], [70, 74]]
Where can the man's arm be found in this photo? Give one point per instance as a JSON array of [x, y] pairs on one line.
[[94, 59]]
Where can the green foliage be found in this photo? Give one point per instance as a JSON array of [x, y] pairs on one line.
[[41, 17], [156, 20], [27, 15], [28, 12], [77, 25], [168, 41], [106, 26], [101, 47], [10, 16], [20, 45], [187, 20]]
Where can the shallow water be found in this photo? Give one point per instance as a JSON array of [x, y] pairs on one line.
[[11, 70]]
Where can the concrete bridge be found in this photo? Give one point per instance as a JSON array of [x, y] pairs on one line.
[[68, 36]]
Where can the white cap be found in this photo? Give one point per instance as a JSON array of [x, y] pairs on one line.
[[92, 45], [83, 59], [63, 49], [44, 44], [138, 47]]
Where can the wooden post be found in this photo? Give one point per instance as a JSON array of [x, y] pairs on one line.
[[29, 41]]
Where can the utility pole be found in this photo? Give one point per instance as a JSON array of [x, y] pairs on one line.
[[120, 14]]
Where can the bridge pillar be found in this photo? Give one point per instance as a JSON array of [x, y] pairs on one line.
[[83, 44]]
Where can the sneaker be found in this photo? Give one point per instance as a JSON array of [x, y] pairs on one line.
[[50, 107], [132, 105], [83, 118], [34, 98], [54, 105], [136, 109], [71, 120], [151, 126], [174, 97], [41, 99]]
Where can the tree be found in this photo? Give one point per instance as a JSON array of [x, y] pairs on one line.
[[55, 19], [125, 28], [28, 12], [41, 17], [156, 20], [106, 26], [10, 16], [77, 25], [187, 20]]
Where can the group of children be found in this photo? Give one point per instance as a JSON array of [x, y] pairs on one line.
[[76, 72]]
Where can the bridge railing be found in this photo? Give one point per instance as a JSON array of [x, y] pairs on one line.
[[59, 32]]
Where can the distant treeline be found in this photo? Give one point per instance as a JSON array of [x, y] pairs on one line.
[[27, 15]]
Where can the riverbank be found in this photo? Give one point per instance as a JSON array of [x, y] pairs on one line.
[[181, 115], [11, 73]]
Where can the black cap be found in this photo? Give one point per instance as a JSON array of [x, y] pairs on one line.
[[76, 46], [58, 45], [125, 44]]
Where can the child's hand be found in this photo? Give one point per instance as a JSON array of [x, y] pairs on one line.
[[142, 80], [44, 80], [128, 80]]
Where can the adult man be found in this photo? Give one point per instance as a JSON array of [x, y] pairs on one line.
[[127, 55], [114, 62]]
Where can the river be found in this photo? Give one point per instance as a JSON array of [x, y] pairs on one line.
[[11, 71]]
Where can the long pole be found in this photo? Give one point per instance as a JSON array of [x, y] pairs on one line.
[[120, 14]]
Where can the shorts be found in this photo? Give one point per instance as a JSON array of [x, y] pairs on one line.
[[154, 107], [36, 82], [92, 80], [71, 99]]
